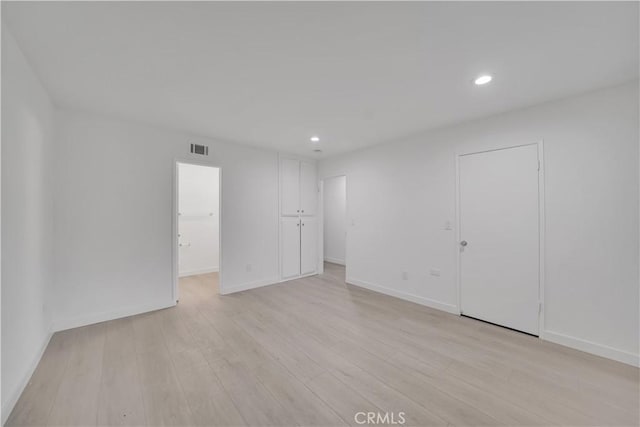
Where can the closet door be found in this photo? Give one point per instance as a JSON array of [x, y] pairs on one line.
[[308, 189], [289, 187], [500, 232], [290, 246], [309, 245]]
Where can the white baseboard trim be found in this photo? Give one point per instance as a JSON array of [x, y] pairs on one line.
[[247, 286], [555, 337], [196, 272], [334, 260], [289, 279], [15, 395], [261, 283], [90, 319], [593, 348], [438, 305]]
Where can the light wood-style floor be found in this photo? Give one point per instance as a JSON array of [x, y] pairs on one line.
[[315, 352]]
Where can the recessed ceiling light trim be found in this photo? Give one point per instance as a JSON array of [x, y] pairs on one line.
[[483, 79]]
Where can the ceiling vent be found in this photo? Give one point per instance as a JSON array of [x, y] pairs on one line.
[[203, 150]]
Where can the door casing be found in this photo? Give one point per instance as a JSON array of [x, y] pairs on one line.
[[174, 226], [320, 217]]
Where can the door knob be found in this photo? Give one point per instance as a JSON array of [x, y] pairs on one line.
[[463, 243]]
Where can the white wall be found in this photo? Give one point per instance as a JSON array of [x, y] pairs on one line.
[[114, 209], [334, 194], [198, 219], [401, 194], [27, 222]]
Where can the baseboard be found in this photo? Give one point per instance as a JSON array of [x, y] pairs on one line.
[[11, 402], [593, 348], [438, 305], [261, 283], [247, 286], [196, 272], [63, 324], [289, 279], [334, 261], [555, 337]]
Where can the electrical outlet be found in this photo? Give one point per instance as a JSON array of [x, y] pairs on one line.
[[248, 268], [405, 275], [435, 272]]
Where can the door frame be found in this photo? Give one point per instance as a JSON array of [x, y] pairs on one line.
[[541, 225], [174, 225], [321, 221]]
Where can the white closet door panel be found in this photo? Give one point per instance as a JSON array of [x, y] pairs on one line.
[[290, 246], [499, 217], [309, 246], [308, 189], [289, 187]]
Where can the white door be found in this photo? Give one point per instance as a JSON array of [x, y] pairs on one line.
[[290, 246], [499, 237], [289, 187], [309, 246], [308, 189]]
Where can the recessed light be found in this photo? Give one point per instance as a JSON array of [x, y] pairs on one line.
[[483, 80], [315, 139]]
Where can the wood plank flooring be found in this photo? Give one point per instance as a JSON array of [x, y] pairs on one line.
[[315, 352]]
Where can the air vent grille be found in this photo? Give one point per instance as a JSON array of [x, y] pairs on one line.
[[200, 149]]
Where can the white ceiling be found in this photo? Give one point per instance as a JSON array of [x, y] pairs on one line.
[[356, 74]]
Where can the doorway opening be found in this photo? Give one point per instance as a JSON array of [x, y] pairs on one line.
[[334, 205], [197, 229]]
